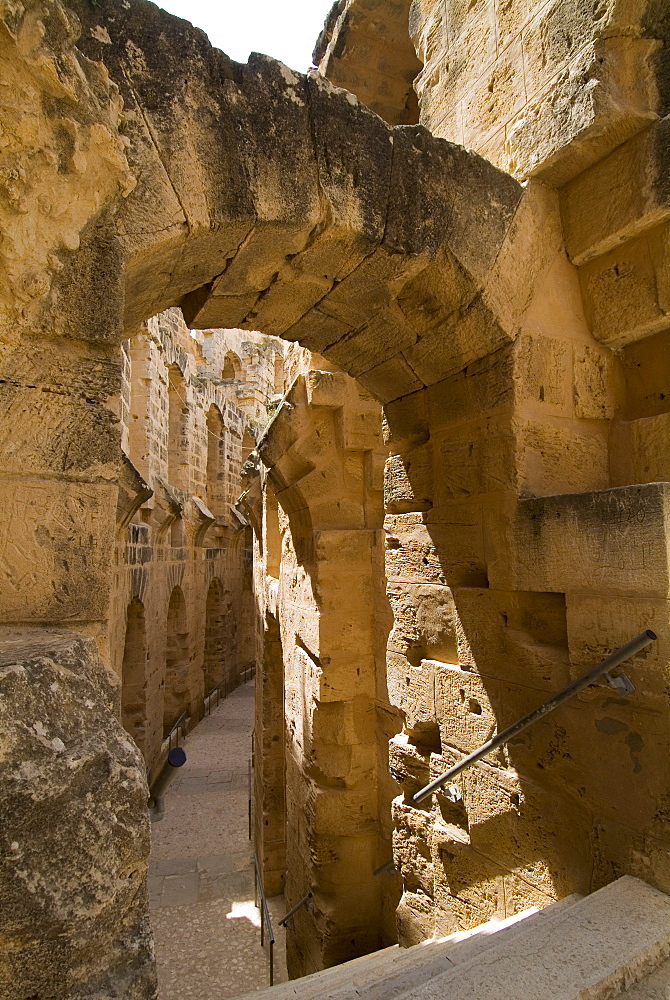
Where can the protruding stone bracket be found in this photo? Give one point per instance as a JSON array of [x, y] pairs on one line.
[[133, 493], [205, 517]]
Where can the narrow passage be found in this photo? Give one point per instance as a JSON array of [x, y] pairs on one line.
[[201, 879]]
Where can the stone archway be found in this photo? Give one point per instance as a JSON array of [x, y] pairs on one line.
[[134, 680], [176, 690], [216, 465], [232, 367], [285, 206], [338, 242], [219, 642], [409, 262], [379, 247]]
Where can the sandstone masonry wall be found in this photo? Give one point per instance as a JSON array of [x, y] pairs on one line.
[[182, 612], [499, 598], [323, 717], [515, 335]]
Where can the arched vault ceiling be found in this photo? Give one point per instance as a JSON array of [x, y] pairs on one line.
[[272, 201]]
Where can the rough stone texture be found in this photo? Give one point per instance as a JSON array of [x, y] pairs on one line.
[[75, 830], [323, 822], [517, 339], [58, 169], [540, 88], [577, 948], [574, 955], [181, 620], [365, 47]]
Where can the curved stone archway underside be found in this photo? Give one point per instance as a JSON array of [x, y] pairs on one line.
[[272, 201]]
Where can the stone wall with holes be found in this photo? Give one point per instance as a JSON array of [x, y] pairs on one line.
[[525, 535], [515, 334], [181, 615], [323, 820]]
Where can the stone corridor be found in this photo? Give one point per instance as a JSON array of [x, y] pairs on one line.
[[201, 883]]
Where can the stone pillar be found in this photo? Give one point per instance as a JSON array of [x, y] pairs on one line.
[[324, 458]]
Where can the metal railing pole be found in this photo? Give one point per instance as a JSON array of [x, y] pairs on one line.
[[266, 920], [294, 910], [250, 787], [386, 867], [609, 663]]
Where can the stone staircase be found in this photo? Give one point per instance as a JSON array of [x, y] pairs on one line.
[[581, 948]]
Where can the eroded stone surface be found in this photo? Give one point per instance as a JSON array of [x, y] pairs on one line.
[[75, 827], [518, 340]]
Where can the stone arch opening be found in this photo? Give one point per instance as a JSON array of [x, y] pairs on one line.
[[232, 368], [346, 243], [218, 640], [388, 251], [399, 257], [133, 676], [176, 697], [177, 429], [216, 445], [248, 443]]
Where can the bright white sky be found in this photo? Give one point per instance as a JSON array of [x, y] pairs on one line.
[[285, 29]]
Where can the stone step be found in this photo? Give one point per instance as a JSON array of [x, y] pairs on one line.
[[411, 967], [317, 982], [420, 963], [591, 950], [655, 986], [385, 971], [588, 948]]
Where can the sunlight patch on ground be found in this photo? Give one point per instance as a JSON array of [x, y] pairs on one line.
[[245, 910]]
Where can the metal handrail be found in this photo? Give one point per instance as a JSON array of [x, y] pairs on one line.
[[388, 866], [621, 683], [216, 691], [250, 799], [266, 922], [298, 906], [179, 724], [228, 686]]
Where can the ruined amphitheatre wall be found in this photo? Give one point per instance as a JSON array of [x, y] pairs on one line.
[[500, 598], [182, 612], [323, 821], [509, 372]]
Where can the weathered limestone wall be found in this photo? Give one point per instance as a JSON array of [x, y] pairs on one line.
[[365, 48], [62, 174], [323, 718], [182, 611], [540, 87], [250, 366], [515, 335], [75, 828], [500, 599]]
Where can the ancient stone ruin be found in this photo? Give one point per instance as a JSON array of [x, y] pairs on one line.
[[360, 379]]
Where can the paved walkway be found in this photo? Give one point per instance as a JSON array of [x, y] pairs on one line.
[[201, 881]]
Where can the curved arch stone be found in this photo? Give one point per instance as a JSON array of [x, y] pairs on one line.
[[273, 201]]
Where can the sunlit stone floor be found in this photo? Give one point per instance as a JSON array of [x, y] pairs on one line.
[[201, 882]]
